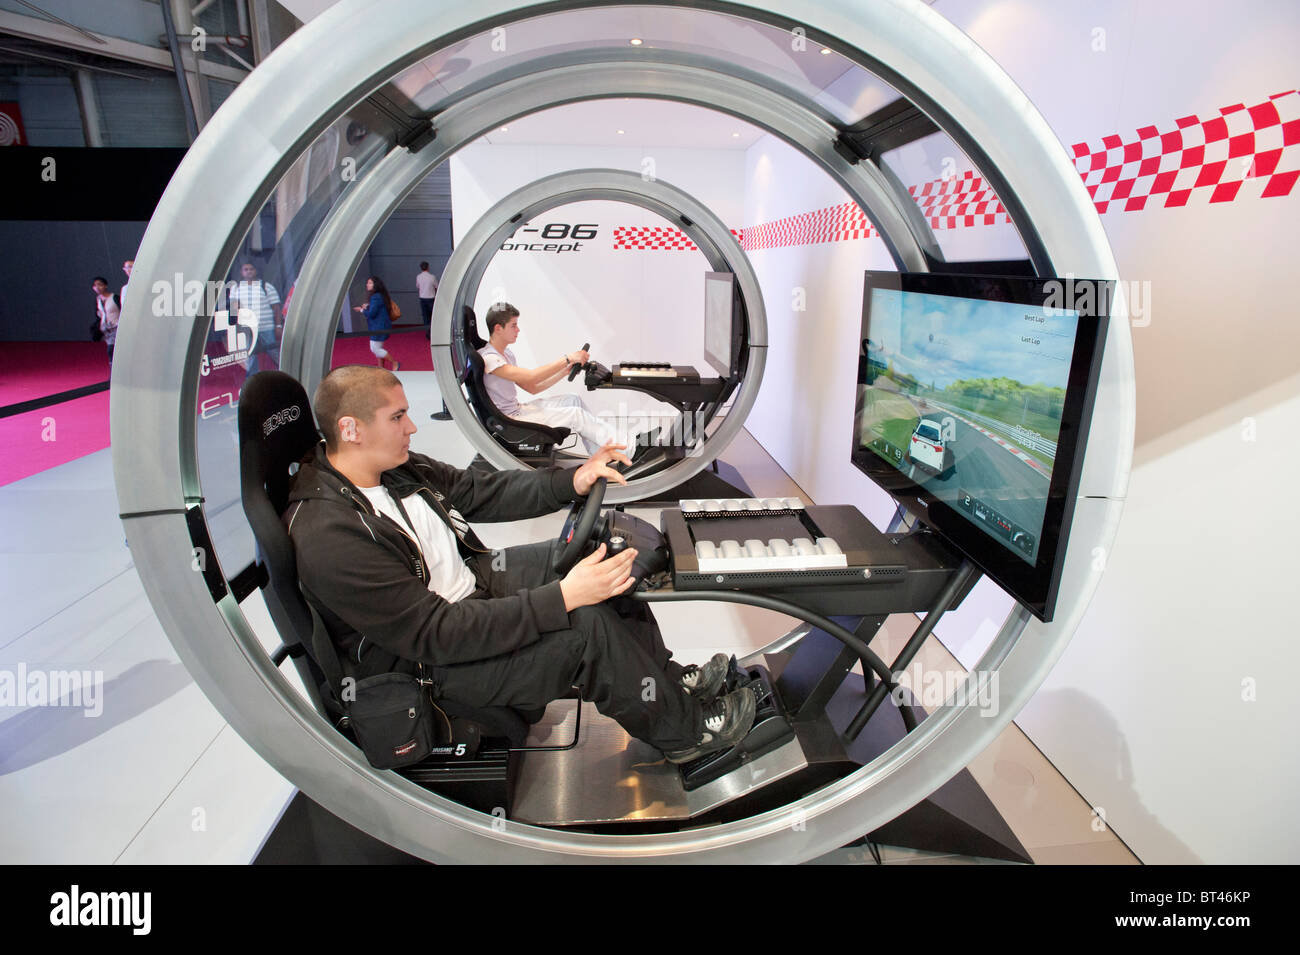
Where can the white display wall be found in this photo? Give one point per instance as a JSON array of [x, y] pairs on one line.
[[1169, 711], [635, 291]]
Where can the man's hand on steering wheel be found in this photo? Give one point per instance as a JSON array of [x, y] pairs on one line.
[[597, 466], [577, 360], [594, 579]]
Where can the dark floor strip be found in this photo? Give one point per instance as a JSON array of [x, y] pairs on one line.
[[23, 406]]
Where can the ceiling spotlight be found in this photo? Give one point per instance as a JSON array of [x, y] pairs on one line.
[[620, 132], [735, 135], [505, 129], [635, 41], [825, 50]]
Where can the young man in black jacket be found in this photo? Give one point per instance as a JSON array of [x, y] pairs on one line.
[[400, 579]]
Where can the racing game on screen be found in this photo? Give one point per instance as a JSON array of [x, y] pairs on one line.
[[965, 397]]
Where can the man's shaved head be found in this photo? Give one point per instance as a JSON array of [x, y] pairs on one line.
[[356, 391]]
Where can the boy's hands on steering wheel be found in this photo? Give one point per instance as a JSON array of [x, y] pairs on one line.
[[597, 466], [594, 579]]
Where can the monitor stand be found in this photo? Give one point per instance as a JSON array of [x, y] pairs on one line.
[[957, 817]]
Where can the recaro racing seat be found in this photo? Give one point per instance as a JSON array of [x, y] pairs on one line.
[[276, 430], [534, 444]]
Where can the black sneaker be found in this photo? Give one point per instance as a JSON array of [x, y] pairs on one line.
[[726, 721], [704, 682]]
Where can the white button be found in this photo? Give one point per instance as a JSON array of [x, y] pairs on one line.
[[753, 504], [731, 549], [711, 505], [803, 547], [827, 545], [755, 548], [705, 550], [794, 503], [780, 548], [689, 506], [732, 504], [774, 503]]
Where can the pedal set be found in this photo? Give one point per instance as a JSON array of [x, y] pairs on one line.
[[770, 730]]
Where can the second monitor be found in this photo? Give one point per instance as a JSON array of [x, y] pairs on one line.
[[722, 325]]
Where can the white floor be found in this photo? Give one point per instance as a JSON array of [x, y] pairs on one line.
[[158, 776]]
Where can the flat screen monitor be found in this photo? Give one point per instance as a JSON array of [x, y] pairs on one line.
[[974, 398], [720, 339]]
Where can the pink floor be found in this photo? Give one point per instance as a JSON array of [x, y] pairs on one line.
[[35, 441], [411, 348], [47, 437], [35, 369]]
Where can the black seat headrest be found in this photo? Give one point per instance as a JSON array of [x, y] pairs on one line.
[[472, 336], [468, 340], [276, 427]]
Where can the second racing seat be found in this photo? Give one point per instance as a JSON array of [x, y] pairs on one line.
[[276, 430], [534, 444], [530, 442]]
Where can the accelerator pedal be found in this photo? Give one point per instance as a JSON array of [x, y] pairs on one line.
[[770, 730]]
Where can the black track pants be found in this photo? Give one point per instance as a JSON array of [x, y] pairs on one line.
[[617, 658]]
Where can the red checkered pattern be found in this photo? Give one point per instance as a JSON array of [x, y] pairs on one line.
[[1244, 150], [832, 224], [946, 203], [656, 237], [959, 201]]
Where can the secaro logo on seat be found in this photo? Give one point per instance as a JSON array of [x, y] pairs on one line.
[[282, 417]]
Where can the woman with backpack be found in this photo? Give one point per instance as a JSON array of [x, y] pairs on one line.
[[379, 319]]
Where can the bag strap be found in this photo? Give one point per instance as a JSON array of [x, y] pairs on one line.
[[327, 658]]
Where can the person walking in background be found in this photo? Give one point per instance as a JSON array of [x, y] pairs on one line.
[[109, 308], [127, 266], [379, 319], [262, 298], [426, 286]]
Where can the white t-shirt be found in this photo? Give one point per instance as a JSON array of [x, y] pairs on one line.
[[449, 578], [260, 297], [500, 390], [426, 285], [108, 317]]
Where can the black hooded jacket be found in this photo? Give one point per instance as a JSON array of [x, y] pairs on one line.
[[363, 573]]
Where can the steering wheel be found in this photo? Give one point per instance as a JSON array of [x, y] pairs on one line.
[[577, 366], [578, 527]]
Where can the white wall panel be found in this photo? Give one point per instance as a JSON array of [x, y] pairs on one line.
[[1145, 714], [630, 304]]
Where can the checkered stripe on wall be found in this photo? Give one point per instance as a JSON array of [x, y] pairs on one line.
[[832, 224], [959, 201], [1241, 151], [952, 203], [656, 237]]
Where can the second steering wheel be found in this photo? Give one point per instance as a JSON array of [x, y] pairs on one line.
[[577, 365]]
